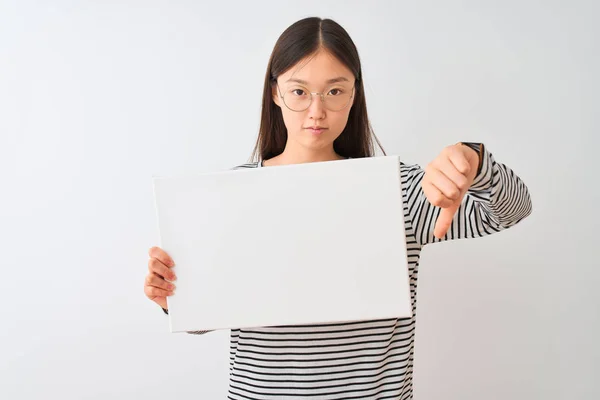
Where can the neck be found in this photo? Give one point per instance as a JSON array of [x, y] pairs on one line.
[[301, 156]]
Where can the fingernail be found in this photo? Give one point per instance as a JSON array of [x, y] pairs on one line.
[[171, 286]]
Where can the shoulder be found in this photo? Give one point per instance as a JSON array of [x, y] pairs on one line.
[[406, 169], [247, 165]]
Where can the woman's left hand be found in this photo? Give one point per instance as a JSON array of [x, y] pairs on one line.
[[447, 179]]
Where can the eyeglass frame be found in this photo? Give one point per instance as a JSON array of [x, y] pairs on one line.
[[321, 95]]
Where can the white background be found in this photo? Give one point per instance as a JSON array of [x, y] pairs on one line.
[[97, 96]]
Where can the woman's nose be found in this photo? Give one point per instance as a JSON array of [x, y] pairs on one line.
[[317, 107]]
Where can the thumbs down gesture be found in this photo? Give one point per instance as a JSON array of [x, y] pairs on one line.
[[446, 182]]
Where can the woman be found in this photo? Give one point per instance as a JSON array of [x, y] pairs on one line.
[[314, 110]]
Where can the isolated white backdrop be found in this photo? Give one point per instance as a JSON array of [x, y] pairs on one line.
[[96, 97]]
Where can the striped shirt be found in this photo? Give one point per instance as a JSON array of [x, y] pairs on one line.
[[369, 359]]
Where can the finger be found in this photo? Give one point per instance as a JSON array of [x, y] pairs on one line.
[[448, 168], [434, 195], [161, 255], [154, 265], [444, 221], [460, 161], [157, 281], [443, 183], [153, 292]]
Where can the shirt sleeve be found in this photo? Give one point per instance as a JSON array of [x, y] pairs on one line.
[[497, 200]]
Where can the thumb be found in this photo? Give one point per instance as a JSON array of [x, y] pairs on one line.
[[444, 220], [161, 301]]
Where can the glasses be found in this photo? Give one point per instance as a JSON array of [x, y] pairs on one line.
[[298, 99]]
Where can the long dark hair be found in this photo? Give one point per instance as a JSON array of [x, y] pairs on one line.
[[302, 39]]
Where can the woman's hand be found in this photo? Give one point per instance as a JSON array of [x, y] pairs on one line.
[[156, 285], [447, 179]]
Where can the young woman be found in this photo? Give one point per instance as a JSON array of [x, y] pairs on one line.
[[314, 110]]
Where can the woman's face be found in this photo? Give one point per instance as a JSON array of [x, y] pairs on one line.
[[322, 73]]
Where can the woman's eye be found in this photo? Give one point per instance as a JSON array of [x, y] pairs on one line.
[[335, 92], [298, 92]]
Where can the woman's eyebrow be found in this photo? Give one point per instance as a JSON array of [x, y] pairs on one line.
[[329, 82]]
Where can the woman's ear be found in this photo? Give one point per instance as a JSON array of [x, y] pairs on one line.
[[275, 94]]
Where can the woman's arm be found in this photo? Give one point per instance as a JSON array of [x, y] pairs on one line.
[[495, 200]]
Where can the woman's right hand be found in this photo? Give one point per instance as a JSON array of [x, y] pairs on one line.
[[157, 286]]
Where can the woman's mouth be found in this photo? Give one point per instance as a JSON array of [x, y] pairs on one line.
[[316, 130]]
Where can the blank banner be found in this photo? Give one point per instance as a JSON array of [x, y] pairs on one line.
[[287, 245]]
